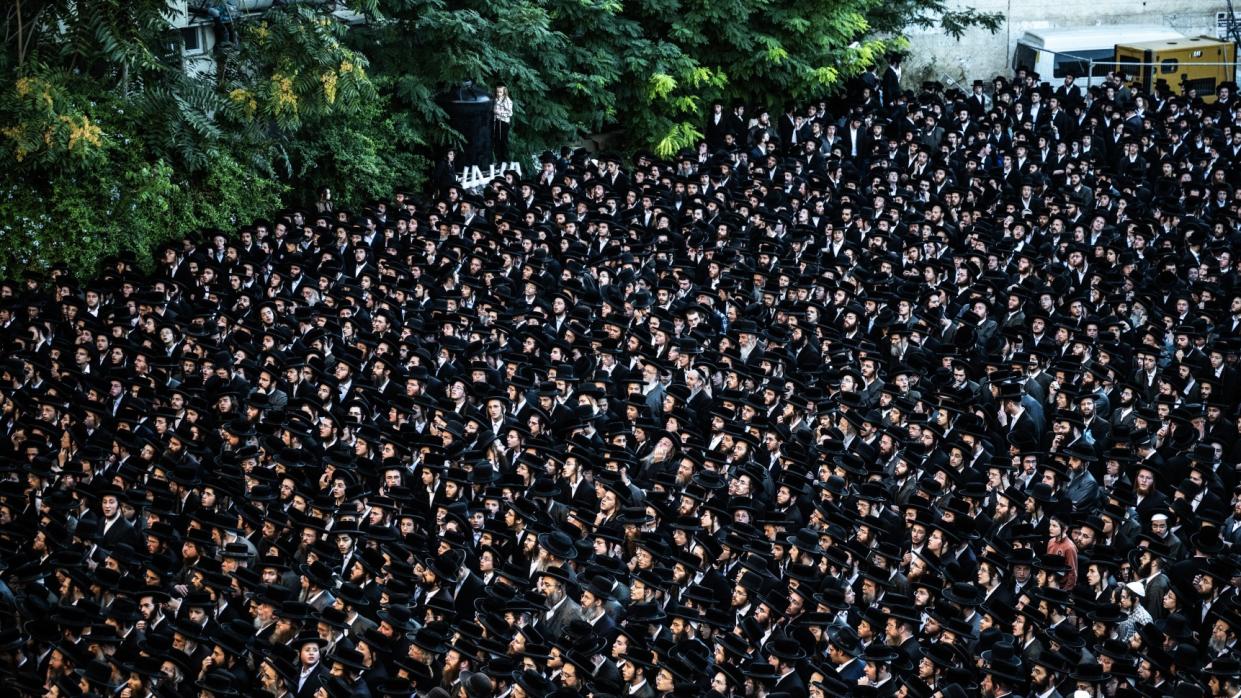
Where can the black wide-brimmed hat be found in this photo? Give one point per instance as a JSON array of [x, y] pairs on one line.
[[784, 647], [559, 544]]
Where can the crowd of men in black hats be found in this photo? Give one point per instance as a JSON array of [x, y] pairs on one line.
[[933, 396]]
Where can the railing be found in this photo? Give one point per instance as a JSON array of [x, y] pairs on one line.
[[473, 178], [1205, 86]]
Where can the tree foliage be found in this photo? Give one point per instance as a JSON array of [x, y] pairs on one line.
[[648, 67], [107, 144]]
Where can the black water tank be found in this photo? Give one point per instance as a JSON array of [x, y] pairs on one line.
[[469, 112]]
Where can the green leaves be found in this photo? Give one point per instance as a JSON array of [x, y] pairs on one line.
[[104, 147], [825, 76], [561, 72], [294, 71], [661, 85], [679, 135], [47, 124], [125, 202]]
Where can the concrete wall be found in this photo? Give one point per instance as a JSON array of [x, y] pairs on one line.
[[980, 54]]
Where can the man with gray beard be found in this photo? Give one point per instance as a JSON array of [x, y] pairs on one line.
[[1223, 640], [288, 622]]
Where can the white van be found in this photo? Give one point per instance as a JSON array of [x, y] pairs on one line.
[[1088, 53]]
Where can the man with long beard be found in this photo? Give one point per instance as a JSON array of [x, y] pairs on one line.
[[682, 621], [560, 608], [1045, 675], [456, 666], [151, 609], [1149, 570], [289, 621], [1223, 640]]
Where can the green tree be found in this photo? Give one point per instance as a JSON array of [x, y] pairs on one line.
[[757, 51], [106, 144], [303, 104], [649, 67], [419, 48]]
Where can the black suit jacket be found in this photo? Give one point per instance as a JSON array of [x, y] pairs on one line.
[[312, 682], [891, 85], [862, 138], [605, 627], [1025, 428], [121, 532], [792, 685], [464, 600]]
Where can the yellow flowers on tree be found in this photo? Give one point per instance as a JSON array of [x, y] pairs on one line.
[[45, 125]]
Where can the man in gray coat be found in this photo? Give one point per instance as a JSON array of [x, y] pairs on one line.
[[561, 609]]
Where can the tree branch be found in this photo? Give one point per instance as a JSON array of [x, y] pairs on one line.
[[21, 53]]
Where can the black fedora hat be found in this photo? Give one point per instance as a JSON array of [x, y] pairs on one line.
[[218, 682], [880, 653], [904, 612], [760, 671], [645, 613], [559, 573], [845, 639], [1227, 666], [399, 617], [639, 656], [501, 667], [318, 573], [941, 654], [347, 657], [447, 567], [581, 636], [1010, 671], [559, 544], [964, 594], [806, 540], [97, 673], [1003, 651], [397, 687], [308, 638], [429, 639], [533, 683], [786, 648]]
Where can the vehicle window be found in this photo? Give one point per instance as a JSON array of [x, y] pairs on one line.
[[1081, 63], [1204, 86], [1129, 64], [1024, 56]]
